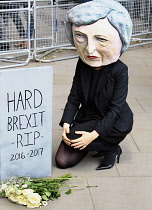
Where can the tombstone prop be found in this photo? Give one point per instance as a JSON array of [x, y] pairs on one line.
[[26, 122]]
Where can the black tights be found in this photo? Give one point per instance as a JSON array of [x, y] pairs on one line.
[[67, 156]]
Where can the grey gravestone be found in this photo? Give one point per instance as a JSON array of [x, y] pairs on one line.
[[26, 122]]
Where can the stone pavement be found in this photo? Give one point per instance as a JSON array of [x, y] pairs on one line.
[[128, 185]]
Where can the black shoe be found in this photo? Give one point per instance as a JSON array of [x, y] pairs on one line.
[[98, 154], [110, 159]]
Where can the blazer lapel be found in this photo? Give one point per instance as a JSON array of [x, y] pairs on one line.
[[85, 77], [104, 76], [85, 72]]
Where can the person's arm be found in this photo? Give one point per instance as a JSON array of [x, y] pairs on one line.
[[85, 139], [118, 100], [65, 130], [73, 101]]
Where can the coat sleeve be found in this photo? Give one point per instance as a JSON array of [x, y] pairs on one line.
[[120, 91], [73, 101]]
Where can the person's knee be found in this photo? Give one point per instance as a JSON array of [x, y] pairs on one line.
[[61, 162]]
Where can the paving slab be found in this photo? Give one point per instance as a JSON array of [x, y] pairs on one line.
[[61, 91], [140, 92], [129, 144], [139, 70], [143, 140], [5, 204], [146, 104], [59, 103], [66, 67], [135, 105], [140, 80], [135, 165], [121, 193], [142, 121], [63, 79], [147, 60], [56, 119]]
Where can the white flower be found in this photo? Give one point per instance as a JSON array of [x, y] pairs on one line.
[[44, 203], [28, 178], [34, 198], [18, 192], [27, 192], [8, 183], [3, 186], [20, 181], [24, 186]]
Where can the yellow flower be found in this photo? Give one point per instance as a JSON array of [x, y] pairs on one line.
[[13, 197], [33, 205], [27, 192], [25, 197], [9, 191], [21, 199], [34, 198]]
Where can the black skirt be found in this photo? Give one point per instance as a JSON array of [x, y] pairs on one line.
[[99, 144]]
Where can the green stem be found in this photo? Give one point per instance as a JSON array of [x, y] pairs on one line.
[[75, 189], [69, 185]]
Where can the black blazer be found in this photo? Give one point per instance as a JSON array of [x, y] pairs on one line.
[[110, 97]]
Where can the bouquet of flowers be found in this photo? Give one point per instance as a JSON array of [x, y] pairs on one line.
[[33, 192]]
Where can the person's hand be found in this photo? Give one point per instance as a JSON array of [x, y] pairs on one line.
[[84, 140], [65, 130]]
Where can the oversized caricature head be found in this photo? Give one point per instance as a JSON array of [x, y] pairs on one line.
[[100, 30]]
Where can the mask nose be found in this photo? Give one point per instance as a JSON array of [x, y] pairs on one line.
[[91, 46]]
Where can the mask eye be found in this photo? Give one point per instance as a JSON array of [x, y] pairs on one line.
[[80, 37], [102, 41]]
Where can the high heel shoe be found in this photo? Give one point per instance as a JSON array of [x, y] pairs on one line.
[[98, 154], [110, 159]]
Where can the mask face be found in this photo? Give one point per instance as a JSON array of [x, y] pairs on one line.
[[97, 44]]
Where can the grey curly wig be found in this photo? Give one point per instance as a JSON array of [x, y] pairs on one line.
[[90, 12]]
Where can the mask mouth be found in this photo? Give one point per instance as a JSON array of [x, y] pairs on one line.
[[92, 57]]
